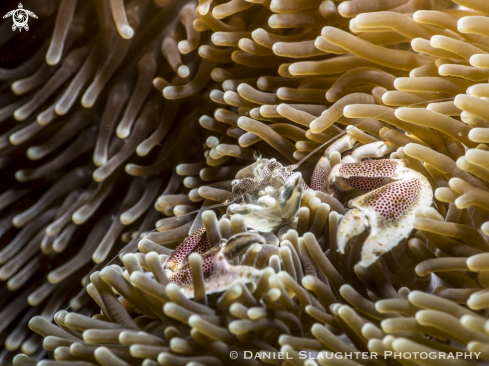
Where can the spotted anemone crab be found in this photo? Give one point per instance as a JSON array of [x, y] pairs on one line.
[[268, 196]]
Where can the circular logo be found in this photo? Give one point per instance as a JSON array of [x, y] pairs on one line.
[[20, 17]]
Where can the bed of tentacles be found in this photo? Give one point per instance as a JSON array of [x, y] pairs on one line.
[[118, 118]]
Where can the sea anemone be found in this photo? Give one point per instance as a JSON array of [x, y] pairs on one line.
[[100, 108]]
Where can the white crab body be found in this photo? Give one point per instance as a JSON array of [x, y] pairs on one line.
[[271, 196]]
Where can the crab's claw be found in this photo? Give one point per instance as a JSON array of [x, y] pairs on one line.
[[290, 198], [388, 212], [354, 223], [218, 272]]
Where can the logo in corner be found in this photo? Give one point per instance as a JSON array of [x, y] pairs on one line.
[[20, 17]]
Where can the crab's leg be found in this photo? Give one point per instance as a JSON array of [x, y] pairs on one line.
[[322, 170], [366, 175], [321, 176], [388, 211], [197, 242]]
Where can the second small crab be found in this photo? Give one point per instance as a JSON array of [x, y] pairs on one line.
[[268, 196]]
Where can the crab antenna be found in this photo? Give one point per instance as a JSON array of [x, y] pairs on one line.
[[318, 148], [295, 166]]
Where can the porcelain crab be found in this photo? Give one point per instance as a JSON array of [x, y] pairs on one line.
[[268, 195]]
